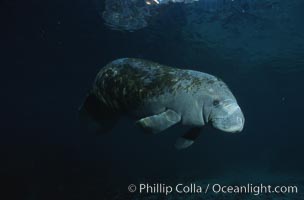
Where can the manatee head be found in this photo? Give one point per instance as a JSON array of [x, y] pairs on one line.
[[223, 111]]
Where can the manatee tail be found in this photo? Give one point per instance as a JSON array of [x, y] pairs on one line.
[[97, 116]]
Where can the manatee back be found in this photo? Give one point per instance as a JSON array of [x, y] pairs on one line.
[[126, 84]]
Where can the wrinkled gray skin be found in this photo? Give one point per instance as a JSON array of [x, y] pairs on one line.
[[159, 97]]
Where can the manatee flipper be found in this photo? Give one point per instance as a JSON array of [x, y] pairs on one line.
[[188, 138], [159, 122], [97, 116]]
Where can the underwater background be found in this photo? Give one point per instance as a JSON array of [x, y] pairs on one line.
[[51, 51]]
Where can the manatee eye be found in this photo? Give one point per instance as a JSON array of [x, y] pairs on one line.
[[216, 102]]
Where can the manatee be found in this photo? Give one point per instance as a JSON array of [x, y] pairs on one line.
[[158, 97]]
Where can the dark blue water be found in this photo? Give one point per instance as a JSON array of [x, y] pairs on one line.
[[51, 52]]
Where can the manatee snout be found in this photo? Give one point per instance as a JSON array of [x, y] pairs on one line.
[[229, 118]]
